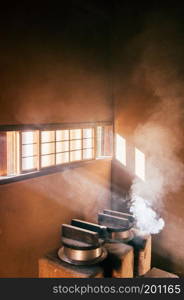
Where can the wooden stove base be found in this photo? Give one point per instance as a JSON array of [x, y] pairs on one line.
[[142, 254], [51, 266], [120, 261], [144, 258]]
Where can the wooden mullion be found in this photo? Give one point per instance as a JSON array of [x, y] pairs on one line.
[[52, 153], [82, 144], [55, 146], [39, 150], [35, 155], [20, 151], [94, 142], [69, 147]]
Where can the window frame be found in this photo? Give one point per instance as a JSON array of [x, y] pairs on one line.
[[39, 171]]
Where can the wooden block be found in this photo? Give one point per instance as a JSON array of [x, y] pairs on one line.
[[158, 273], [144, 257], [51, 266], [120, 261], [142, 254]]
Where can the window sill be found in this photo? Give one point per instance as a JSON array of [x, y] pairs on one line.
[[49, 170]]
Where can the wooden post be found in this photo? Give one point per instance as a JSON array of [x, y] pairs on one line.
[[142, 253], [51, 266], [3, 154], [119, 262], [144, 257]]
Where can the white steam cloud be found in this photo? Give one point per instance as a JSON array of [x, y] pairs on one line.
[[147, 219]]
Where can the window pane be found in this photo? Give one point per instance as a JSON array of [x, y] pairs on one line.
[[48, 148], [62, 158], [48, 160], [62, 146], [47, 136], [75, 145], [29, 163], [75, 155], [75, 134], [28, 137], [29, 150], [87, 133], [87, 143], [104, 141], [13, 153], [88, 154], [62, 135]]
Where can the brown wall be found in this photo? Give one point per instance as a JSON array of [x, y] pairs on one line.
[[32, 211], [147, 73], [54, 68], [53, 62]]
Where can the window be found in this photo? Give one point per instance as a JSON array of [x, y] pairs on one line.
[[104, 141], [88, 144], [64, 146], [29, 151], [48, 148], [25, 151]]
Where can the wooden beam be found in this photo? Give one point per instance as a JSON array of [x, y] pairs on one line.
[[53, 126]]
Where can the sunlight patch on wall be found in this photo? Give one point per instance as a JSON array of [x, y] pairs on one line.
[[121, 149], [140, 164]]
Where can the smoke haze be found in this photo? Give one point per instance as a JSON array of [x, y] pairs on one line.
[[161, 137]]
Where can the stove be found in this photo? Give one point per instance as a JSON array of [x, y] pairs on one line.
[[85, 243], [81, 246], [113, 226], [119, 225]]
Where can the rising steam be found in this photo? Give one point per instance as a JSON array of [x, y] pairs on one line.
[[147, 219], [160, 138], [164, 170]]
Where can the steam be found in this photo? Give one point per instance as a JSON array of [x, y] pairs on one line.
[[161, 144], [160, 138], [147, 219], [87, 194]]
